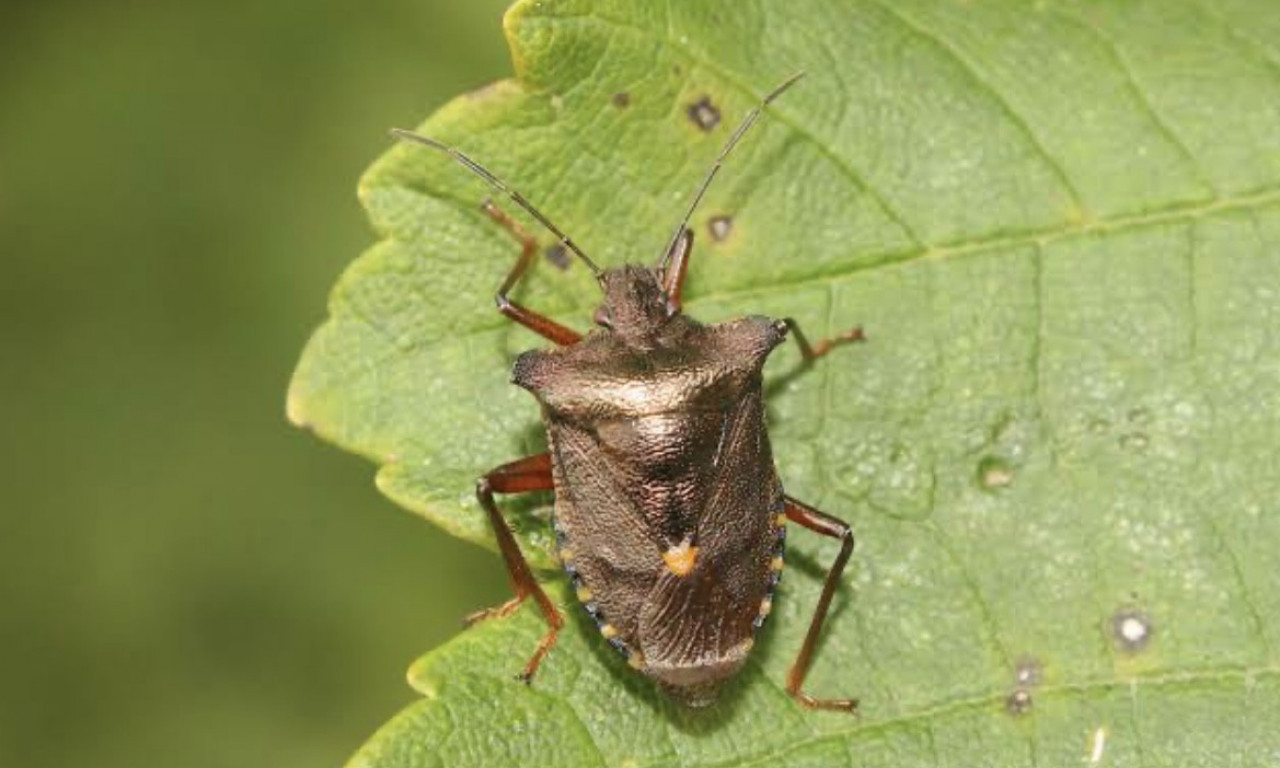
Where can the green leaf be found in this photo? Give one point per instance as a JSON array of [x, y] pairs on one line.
[[1059, 224]]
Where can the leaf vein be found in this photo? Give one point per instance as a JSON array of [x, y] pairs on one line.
[[970, 70], [1143, 100], [1036, 362], [1246, 596], [1254, 201], [986, 616], [1264, 52], [1138, 746]]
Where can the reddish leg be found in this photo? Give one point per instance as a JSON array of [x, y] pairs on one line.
[[532, 473], [814, 351], [826, 525], [677, 265], [543, 326]]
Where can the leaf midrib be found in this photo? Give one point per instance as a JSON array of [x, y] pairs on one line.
[[961, 248]]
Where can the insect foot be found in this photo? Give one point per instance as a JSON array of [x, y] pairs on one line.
[[532, 473], [811, 352], [497, 611]]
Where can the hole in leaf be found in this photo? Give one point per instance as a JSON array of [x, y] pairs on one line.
[[994, 472], [1019, 702], [1131, 630]]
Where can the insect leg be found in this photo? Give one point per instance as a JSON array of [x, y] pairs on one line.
[[819, 522], [812, 352], [539, 324], [677, 264], [532, 473]]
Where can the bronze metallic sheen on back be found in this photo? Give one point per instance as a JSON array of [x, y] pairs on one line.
[[655, 449]]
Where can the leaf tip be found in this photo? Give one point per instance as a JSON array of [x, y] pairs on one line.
[[294, 410], [510, 30], [383, 482], [420, 678]]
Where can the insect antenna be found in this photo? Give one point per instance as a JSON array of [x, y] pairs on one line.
[[724, 152], [501, 186]]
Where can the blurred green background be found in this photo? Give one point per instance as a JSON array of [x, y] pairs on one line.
[[187, 580]]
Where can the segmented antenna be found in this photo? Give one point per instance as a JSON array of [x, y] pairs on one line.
[[501, 186], [715, 167]]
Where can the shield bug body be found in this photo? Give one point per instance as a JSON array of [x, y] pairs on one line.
[[670, 518]]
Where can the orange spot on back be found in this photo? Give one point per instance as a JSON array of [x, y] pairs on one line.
[[680, 558]]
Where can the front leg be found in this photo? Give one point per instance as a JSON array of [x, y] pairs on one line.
[[815, 351], [532, 473], [539, 324]]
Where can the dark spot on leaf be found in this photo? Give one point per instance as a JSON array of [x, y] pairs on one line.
[[719, 227], [994, 472], [1019, 702], [1131, 630], [621, 99], [558, 256], [704, 114]]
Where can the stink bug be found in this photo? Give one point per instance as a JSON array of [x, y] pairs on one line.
[[670, 519]]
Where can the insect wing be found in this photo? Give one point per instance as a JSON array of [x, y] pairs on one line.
[[699, 626]]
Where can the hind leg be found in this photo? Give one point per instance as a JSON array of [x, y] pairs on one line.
[[822, 523], [532, 473]]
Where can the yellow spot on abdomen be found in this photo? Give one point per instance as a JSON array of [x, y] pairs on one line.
[[776, 563], [584, 594], [680, 558]]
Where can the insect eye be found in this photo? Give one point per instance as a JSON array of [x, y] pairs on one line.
[[603, 319]]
